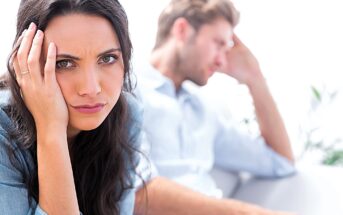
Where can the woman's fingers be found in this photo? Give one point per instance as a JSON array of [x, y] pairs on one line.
[[14, 58], [20, 39], [33, 60], [24, 50], [50, 65], [16, 68], [27, 61]]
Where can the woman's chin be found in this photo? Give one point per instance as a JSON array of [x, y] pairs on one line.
[[86, 124]]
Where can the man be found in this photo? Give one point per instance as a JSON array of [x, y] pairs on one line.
[[185, 138]]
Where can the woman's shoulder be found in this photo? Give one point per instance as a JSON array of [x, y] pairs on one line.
[[8, 144], [134, 105], [6, 126], [14, 163], [135, 110], [5, 122]]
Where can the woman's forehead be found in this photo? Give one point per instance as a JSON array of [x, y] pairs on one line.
[[75, 30]]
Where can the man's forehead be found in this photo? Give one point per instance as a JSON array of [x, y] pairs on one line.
[[219, 27]]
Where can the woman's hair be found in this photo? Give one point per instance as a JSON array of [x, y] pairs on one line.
[[197, 13], [102, 159]]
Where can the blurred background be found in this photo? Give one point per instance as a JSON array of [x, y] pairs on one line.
[[299, 45]]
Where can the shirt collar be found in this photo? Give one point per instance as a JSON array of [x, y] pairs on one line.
[[156, 81]]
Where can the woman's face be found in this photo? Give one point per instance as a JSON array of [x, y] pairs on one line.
[[89, 67]]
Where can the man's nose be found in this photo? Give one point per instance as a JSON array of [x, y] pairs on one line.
[[220, 59]]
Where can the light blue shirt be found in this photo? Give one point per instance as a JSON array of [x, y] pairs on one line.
[[185, 139], [13, 192]]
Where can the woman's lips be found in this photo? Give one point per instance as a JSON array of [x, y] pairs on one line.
[[89, 109]]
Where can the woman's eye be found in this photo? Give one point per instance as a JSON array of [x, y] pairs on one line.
[[108, 59], [64, 64]]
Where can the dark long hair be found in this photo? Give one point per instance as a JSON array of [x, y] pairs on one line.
[[102, 159]]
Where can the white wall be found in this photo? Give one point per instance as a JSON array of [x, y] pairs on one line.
[[7, 30], [299, 43]]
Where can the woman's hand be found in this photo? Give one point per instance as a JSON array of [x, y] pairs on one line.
[[37, 80]]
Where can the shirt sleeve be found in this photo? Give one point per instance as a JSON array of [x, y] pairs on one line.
[[236, 150], [136, 138], [40, 211], [14, 196], [145, 169], [13, 193]]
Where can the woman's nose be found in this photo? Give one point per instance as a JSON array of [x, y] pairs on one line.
[[89, 84]]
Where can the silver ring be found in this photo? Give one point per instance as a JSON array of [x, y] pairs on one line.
[[21, 93], [25, 72]]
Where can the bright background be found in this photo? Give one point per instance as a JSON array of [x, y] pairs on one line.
[[299, 44]]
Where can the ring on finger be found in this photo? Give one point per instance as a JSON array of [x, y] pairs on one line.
[[21, 93], [25, 72]]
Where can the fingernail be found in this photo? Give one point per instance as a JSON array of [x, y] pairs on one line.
[[39, 33], [32, 25], [51, 45], [23, 33]]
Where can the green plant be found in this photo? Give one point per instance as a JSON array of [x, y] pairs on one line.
[[314, 138], [334, 158]]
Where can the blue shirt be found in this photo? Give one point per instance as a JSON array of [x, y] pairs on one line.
[[13, 193], [185, 139]]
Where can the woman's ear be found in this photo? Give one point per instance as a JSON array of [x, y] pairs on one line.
[[182, 30]]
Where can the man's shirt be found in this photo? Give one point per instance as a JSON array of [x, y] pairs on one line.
[[185, 139]]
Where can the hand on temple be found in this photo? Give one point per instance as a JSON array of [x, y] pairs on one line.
[[241, 64]]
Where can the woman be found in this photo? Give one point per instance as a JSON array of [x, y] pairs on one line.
[[69, 131]]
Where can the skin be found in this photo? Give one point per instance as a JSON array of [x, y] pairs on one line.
[[170, 198], [67, 71], [198, 54], [195, 55], [183, 58]]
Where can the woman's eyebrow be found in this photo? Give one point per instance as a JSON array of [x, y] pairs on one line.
[[67, 56], [109, 51]]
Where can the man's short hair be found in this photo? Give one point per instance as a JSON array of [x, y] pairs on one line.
[[196, 12]]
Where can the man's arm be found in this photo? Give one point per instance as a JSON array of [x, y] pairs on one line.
[[269, 119], [242, 65], [163, 196]]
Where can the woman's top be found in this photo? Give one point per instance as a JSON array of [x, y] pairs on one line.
[[13, 192]]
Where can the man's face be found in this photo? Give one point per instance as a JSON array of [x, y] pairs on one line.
[[204, 52]]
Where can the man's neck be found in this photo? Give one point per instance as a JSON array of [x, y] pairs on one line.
[[164, 60]]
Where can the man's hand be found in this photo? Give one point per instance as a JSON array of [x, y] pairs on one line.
[[241, 64]]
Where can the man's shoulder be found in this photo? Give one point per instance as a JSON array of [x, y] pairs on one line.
[[149, 79]]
